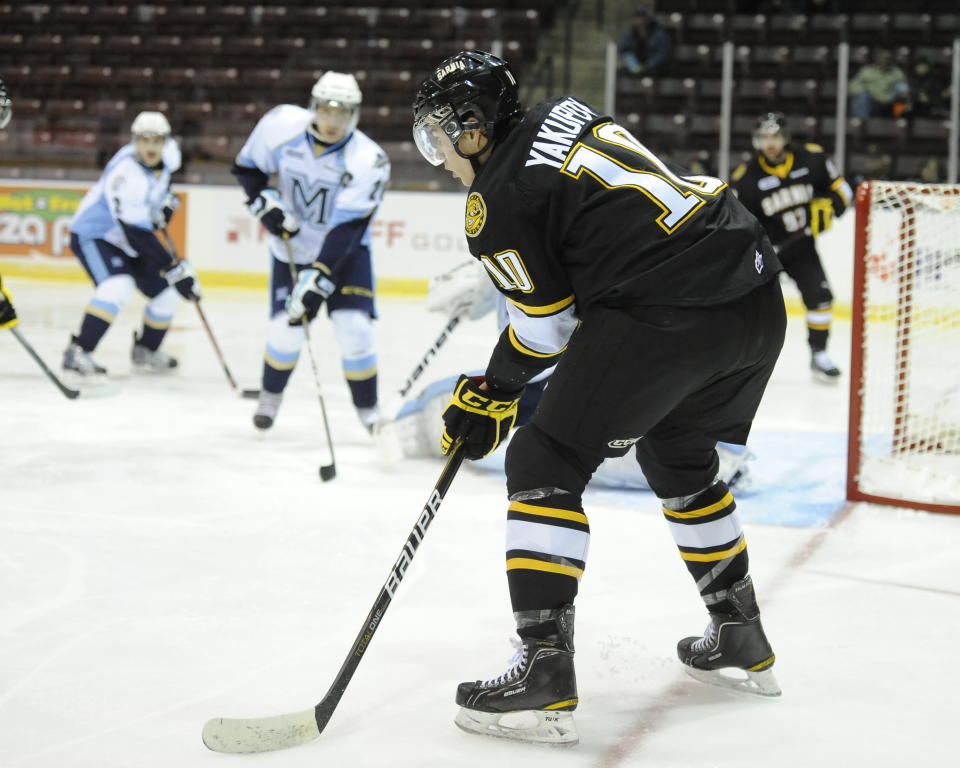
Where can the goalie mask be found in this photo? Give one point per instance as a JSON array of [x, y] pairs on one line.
[[770, 124], [339, 96], [472, 90]]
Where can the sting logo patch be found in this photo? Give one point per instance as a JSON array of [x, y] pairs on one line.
[[476, 215]]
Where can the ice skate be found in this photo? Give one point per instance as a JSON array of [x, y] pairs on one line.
[[370, 418], [150, 360], [79, 362], [733, 641], [823, 368], [267, 407], [534, 699]]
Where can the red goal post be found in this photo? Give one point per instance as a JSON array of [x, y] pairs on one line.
[[904, 423]]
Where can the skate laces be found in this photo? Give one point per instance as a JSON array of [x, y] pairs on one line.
[[517, 664], [709, 636]]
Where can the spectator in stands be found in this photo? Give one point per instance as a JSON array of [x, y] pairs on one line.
[[879, 88], [645, 46], [929, 89], [930, 171]]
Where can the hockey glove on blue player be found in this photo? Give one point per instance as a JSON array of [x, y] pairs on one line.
[[312, 288], [182, 277], [273, 214], [162, 216], [8, 315], [481, 417]]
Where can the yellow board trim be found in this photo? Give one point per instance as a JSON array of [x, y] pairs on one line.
[[712, 557], [526, 563], [548, 309], [561, 514], [726, 501]]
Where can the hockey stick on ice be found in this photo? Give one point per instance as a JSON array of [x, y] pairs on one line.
[[216, 347], [327, 471], [266, 734], [72, 394], [203, 318]]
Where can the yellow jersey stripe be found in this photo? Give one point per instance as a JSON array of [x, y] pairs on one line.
[[712, 557], [521, 347], [562, 514], [526, 563], [548, 309], [703, 511]]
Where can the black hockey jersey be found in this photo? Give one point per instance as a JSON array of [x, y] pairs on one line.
[[780, 196], [571, 210]]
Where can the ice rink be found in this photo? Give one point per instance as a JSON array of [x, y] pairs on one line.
[[162, 563]]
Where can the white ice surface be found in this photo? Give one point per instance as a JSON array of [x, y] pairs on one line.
[[162, 563]]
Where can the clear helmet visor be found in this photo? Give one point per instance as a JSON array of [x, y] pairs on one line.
[[435, 133]]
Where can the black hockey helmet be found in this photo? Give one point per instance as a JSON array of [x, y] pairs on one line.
[[6, 106], [768, 124], [471, 87]]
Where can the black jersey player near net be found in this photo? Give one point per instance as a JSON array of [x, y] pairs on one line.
[[795, 191], [655, 293]]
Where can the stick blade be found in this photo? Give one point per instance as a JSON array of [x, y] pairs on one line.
[[260, 734], [328, 472]]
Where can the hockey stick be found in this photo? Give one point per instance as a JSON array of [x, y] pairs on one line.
[[327, 471], [418, 369], [72, 394], [266, 734], [168, 241], [431, 352], [216, 347]]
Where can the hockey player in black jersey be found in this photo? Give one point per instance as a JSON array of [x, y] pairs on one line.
[[795, 191], [654, 292]]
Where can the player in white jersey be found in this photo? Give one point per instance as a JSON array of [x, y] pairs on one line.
[[113, 234], [329, 179]]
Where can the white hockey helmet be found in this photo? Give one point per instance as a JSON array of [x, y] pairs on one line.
[[150, 124], [338, 89]]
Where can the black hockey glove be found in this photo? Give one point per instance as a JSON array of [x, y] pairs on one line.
[[182, 277], [312, 288], [273, 214], [821, 215], [162, 216], [8, 315], [482, 418]]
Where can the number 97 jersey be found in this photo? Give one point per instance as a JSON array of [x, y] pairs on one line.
[[571, 209]]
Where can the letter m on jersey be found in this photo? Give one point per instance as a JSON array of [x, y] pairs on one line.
[[309, 198], [508, 270]]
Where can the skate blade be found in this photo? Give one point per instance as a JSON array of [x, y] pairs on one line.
[[823, 378], [534, 726], [761, 683]]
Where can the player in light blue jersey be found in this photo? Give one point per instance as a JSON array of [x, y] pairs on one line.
[[113, 234], [314, 181]]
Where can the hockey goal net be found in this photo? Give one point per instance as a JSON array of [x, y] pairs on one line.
[[904, 434]]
